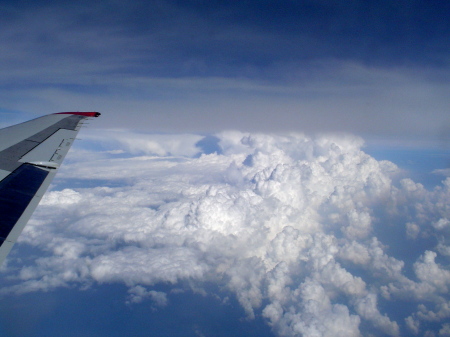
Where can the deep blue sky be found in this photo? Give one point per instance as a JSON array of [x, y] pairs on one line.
[[226, 38], [100, 311]]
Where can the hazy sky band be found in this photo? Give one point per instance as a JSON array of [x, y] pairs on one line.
[[377, 68]]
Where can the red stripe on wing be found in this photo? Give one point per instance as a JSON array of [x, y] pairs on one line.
[[87, 114]]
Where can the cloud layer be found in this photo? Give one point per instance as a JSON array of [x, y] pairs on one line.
[[311, 233], [203, 66]]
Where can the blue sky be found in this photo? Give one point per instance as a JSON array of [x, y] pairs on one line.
[[260, 168], [377, 68]]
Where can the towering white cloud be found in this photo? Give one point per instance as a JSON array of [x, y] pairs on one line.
[[290, 224]]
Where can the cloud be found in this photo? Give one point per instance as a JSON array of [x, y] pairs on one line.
[[444, 172], [367, 308], [442, 224], [428, 271], [291, 224], [315, 315], [445, 331], [139, 294], [184, 68], [150, 144], [412, 325], [412, 230]]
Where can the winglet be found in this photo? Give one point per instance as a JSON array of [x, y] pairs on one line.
[[87, 114]]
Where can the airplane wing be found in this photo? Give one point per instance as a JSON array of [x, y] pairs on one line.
[[30, 155]]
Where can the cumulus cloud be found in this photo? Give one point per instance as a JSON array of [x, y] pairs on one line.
[[412, 324], [412, 230], [138, 294], [445, 331], [442, 224], [444, 172], [428, 271], [125, 141], [289, 223]]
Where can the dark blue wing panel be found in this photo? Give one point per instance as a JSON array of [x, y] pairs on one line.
[[16, 192]]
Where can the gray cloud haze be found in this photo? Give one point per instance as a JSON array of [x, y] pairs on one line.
[[192, 66]]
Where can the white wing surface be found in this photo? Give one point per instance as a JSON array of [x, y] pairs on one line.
[[30, 155]]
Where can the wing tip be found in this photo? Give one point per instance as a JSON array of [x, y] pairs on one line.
[[87, 114]]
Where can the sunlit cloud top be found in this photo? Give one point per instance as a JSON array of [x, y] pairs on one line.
[[310, 233]]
